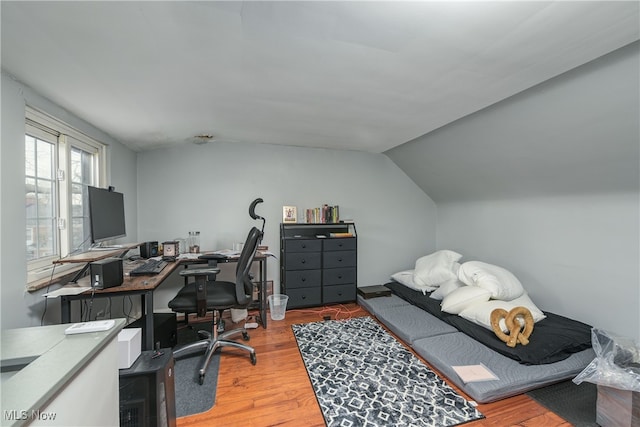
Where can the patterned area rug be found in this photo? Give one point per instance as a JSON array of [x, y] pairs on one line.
[[362, 376]]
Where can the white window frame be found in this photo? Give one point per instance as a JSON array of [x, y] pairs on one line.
[[42, 125]]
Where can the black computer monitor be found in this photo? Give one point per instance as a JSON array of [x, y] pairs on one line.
[[106, 214]]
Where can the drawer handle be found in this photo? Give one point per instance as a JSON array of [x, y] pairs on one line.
[[339, 245], [304, 246], [304, 297], [340, 276], [339, 259], [303, 261], [304, 279]]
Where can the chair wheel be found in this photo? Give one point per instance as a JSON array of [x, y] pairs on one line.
[[253, 358], [201, 379], [245, 336]]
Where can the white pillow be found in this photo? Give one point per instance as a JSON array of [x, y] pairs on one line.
[[502, 284], [481, 313], [446, 288], [464, 297], [406, 278], [436, 268]]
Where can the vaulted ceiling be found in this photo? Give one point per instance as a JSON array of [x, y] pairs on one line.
[[363, 76]]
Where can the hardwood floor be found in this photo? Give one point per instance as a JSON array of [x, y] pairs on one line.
[[277, 391]]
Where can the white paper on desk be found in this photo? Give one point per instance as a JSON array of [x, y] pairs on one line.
[[474, 373], [227, 252], [67, 290], [189, 256]]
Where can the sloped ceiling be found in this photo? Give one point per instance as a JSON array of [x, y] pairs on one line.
[[576, 134], [344, 75]]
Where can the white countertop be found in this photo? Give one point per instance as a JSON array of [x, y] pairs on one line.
[[55, 359]]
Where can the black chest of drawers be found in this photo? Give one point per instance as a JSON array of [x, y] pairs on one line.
[[318, 263]]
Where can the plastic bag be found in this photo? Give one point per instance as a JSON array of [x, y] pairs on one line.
[[238, 314], [617, 362]]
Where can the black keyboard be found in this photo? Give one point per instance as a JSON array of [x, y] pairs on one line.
[[150, 267]]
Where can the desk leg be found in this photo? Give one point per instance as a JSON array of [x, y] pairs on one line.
[[147, 313], [65, 310], [263, 292]]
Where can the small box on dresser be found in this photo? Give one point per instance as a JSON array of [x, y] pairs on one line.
[[619, 408]]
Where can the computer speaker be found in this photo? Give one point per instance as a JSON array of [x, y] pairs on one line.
[[106, 273], [149, 249]]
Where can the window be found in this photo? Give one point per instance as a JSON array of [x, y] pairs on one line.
[[60, 163]]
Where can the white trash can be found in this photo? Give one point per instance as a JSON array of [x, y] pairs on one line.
[[278, 306]]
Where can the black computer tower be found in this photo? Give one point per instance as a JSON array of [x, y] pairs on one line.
[[147, 391], [164, 329]]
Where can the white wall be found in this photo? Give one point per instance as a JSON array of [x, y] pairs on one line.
[[209, 188], [576, 255], [18, 307]]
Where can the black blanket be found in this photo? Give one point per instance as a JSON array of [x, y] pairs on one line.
[[553, 339]]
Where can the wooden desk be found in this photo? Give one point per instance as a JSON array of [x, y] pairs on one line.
[[138, 285], [146, 285], [96, 255]]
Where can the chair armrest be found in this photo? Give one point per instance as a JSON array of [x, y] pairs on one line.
[[201, 275], [204, 271]]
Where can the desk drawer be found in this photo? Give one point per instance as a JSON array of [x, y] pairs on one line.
[[340, 244], [302, 278], [303, 245], [339, 293], [302, 261], [339, 276], [304, 297], [339, 259]]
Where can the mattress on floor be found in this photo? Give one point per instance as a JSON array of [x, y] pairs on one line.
[[553, 339], [411, 323], [457, 349], [375, 304], [444, 346], [405, 320]]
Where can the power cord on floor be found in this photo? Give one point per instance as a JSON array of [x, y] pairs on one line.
[[328, 312]]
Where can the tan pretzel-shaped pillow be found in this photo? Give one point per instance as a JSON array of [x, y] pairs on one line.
[[516, 332]]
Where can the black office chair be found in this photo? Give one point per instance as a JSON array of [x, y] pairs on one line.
[[207, 294]]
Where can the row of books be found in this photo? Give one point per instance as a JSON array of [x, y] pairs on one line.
[[323, 215]]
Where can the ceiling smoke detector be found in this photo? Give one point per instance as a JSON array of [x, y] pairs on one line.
[[203, 138]]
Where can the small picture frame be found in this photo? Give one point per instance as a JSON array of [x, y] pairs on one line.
[[289, 214]]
